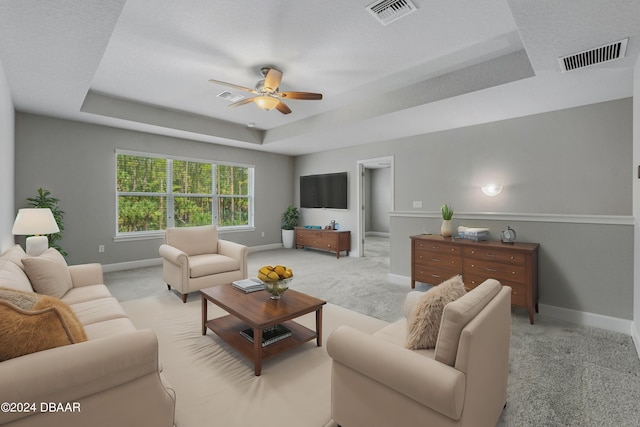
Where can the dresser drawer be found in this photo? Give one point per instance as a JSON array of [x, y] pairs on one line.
[[488, 254], [433, 275], [437, 247], [518, 290], [435, 259], [494, 270]]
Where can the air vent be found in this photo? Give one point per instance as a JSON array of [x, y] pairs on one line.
[[598, 55], [230, 96], [387, 11]]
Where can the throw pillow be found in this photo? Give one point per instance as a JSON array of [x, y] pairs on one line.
[[424, 323], [30, 322], [48, 273], [13, 277], [15, 254]]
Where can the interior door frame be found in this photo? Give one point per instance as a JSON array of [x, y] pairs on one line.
[[363, 164]]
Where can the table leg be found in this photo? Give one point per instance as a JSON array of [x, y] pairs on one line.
[[257, 351], [204, 315], [319, 327]]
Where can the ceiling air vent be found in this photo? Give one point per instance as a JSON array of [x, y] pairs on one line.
[[597, 55], [230, 96], [387, 11]]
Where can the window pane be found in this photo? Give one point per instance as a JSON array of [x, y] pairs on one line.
[[191, 177], [141, 213], [232, 180], [233, 211], [141, 174], [192, 211]]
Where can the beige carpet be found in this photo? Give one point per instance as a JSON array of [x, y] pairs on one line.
[[215, 385]]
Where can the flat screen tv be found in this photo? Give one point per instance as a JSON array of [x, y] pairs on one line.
[[324, 191]]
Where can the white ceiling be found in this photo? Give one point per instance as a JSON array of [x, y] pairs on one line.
[[145, 64]]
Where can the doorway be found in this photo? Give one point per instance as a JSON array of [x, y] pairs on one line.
[[375, 201]]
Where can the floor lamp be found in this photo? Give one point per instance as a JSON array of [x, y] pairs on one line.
[[35, 222]]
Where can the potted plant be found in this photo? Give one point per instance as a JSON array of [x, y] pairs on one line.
[[288, 223], [447, 214], [45, 200]]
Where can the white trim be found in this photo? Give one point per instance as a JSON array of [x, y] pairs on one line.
[[635, 335], [581, 318], [377, 233], [128, 265], [265, 247], [584, 318], [530, 217]]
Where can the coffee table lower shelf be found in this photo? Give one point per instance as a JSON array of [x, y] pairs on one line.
[[228, 328]]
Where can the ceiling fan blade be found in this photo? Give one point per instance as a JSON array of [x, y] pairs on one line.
[[300, 95], [282, 107], [272, 79], [242, 102], [246, 89]]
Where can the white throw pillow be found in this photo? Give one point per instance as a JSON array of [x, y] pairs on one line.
[[48, 273]]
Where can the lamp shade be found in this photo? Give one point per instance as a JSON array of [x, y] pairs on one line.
[[266, 102], [34, 221]]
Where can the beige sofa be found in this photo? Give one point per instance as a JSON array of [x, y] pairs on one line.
[[376, 381], [111, 379]]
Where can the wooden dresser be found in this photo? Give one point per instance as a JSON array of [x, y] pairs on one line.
[[434, 259], [329, 240]]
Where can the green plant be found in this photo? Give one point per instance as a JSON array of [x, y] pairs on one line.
[[45, 200], [289, 218], [447, 212]]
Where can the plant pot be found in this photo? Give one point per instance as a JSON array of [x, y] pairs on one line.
[[446, 228], [288, 237]]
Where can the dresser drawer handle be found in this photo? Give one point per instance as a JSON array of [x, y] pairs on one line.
[[491, 255], [436, 276], [434, 247], [491, 269], [435, 260], [512, 257]]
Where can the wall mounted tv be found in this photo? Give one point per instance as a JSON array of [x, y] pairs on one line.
[[324, 191]]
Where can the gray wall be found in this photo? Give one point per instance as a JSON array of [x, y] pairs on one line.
[[76, 162], [567, 164], [636, 205], [7, 211]]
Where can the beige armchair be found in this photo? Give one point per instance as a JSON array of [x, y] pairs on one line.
[[193, 258], [376, 381]]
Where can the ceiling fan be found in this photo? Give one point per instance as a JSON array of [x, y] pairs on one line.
[[267, 90]]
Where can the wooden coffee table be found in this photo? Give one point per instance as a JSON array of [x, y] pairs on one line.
[[257, 311]]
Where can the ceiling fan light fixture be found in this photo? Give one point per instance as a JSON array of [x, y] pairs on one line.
[[266, 102]]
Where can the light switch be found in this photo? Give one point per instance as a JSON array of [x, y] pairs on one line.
[[417, 203]]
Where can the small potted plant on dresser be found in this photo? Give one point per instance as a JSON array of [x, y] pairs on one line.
[[288, 223]]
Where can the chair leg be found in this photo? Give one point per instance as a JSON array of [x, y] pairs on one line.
[[184, 298], [168, 286]]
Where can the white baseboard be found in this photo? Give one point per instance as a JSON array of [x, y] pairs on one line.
[[131, 264], [635, 335], [584, 318], [265, 247], [377, 233], [119, 266]]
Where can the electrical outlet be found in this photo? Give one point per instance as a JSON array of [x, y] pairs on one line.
[[100, 248], [263, 234], [417, 203]]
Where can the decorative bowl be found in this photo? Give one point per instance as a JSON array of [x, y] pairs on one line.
[[277, 287]]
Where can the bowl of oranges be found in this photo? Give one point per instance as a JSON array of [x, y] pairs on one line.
[[276, 279]]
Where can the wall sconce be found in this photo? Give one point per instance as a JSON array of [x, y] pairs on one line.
[[36, 221], [491, 189]]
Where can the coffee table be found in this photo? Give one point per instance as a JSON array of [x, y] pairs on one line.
[[258, 311]]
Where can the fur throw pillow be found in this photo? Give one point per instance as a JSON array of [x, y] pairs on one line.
[[30, 322], [424, 322]]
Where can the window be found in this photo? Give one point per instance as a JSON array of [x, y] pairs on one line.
[[154, 193]]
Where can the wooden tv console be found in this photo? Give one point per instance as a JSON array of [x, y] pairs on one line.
[[329, 240], [434, 259]]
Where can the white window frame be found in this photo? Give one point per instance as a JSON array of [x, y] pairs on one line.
[[170, 196]]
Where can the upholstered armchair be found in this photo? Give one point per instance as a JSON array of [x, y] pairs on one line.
[[376, 381], [193, 258]]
